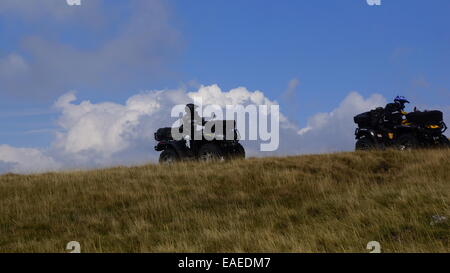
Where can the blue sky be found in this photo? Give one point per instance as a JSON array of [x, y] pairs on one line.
[[330, 47]]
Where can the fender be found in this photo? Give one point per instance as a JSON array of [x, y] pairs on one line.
[[444, 127], [363, 132], [161, 146], [178, 146]]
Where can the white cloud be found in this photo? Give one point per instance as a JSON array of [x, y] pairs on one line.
[[25, 160], [334, 131], [100, 127], [96, 133], [214, 95], [102, 134], [106, 133]]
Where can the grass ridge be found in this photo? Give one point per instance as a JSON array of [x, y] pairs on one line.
[[313, 203]]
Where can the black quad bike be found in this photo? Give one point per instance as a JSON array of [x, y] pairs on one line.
[[210, 147], [418, 130]]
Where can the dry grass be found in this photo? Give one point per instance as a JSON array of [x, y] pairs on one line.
[[317, 203]]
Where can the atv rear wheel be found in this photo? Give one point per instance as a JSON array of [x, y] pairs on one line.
[[239, 152], [364, 144], [407, 142], [168, 156], [210, 152], [445, 142]]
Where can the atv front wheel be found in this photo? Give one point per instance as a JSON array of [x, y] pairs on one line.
[[364, 144], [168, 156], [210, 152], [445, 142], [238, 152], [407, 142]]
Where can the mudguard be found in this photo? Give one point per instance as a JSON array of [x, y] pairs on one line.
[[178, 146], [363, 132]]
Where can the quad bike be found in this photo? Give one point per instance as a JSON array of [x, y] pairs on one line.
[[418, 130], [212, 146]]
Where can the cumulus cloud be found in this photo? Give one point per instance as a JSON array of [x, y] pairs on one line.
[[92, 135], [109, 133], [140, 43], [334, 131], [25, 160]]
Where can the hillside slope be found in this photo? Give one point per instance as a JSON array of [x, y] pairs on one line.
[[318, 203]]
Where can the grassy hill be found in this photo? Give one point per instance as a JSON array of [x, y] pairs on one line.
[[318, 203]]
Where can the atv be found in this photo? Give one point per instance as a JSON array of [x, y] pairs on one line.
[[212, 146], [418, 130]]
